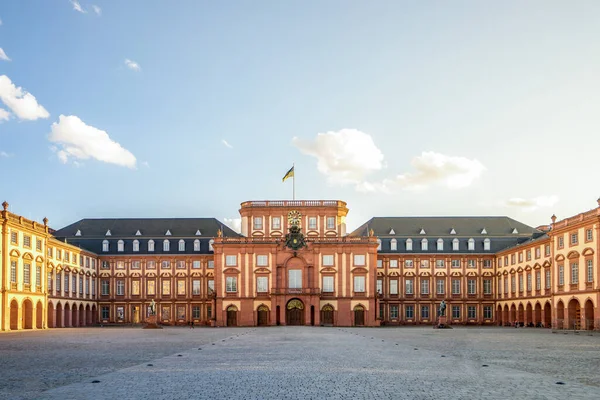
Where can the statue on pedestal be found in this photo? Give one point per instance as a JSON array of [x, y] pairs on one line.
[[152, 307], [442, 309]]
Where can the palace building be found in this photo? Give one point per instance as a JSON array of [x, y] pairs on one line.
[[294, 263]]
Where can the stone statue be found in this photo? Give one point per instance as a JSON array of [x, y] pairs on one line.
[[442, 309], [219, 233], [152, 307]]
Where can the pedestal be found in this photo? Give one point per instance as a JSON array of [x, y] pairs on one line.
[[151, 323]]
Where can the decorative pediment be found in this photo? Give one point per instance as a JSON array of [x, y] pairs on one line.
[[138, 233], [196, 274], [39, 259], [150, 274], [312, 233], [135, 274], [210, 274], [573, 254], [105, 274], [528, 268], [392, 232], [108, 233], [276, 233], [409, 273], [453, 232], [59, 268], [546, 264], [487, 273], [559, 257], [393, 273], [455, 273], [471, 273], [231, 271], [14, 253], [81, 272], [94, 274], [120, 274], [78, 233], [512, 271], [505, 273], [327, 269], [537, 266], [88, 273], [258, 234], [520, 269], [422, 232], [262, 271], [359, 270], [425, 273], [380, 274], [198, 233], [27, 256], [515, 231], [483, 231], [168, 232], [440, 273], [588, 252], [181, 274], [165, 274], [67, 268], [331, 234]]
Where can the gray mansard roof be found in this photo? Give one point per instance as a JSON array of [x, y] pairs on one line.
[[502, 232], [90, 233]]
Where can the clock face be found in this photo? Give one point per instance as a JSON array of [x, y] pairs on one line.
[[294, 217]]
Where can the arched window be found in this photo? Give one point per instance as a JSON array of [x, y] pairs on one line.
[[424, 244], [150, 245], [378, 244], [440, 244], [210, 245], [393, 245], [181, 245], [166, 245], [120, 245], [196, 245], [408, 244], [486, 244], [105, 245], [455, 244], [471, 244], [136, 245]]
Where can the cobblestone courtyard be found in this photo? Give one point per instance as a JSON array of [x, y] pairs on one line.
[[299, 363]]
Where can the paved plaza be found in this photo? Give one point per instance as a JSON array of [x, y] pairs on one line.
[[299, 363]]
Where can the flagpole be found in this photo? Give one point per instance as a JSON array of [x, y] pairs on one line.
[[294, 182]]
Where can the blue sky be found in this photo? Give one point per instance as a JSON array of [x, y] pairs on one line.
[[398, 108]]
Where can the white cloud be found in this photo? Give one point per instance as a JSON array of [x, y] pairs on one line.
[[77, 6], [78, 141], [234, 223], [344, 156], [4, 115], [132, 65], [226, 143], [97, 9], [3, 55], [5, 154], [533, 203], [21, 103]]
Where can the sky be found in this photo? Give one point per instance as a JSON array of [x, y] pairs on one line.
[[186, 109]]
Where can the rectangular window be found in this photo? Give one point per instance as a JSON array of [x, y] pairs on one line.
[[456, 312], [561, 275], [211, 264], [27, 241], [512, 259], [513, 285], [471, 286], [262, 261], [590, 271], [574, 273], [196, 312], [49, 281], [27, 274], [520, 257], [439, 263], [359, 284], [538, 280], [135, 288], [506, 285], [180, 287], [312, 223], [328, 284], [471, 312], [38, 245], [196, 264], [14, 237], [258, 223], [529, 282], [58, 282], [538, 252], [74, 286], [49, 251], [424, 286], [180, 264], [408, 263], [295, 279], [105, 312], [393, 312], [196, 287], [327, 260], [455, 263], [211, 285], [393, 263], [87, 287], [105, 287], [181, 245], [105, 265], [166, 287], [379, 263], [547, 250], [276, 223], [547, 279], [588, 235], [150, 264], [561, 242], [208, 312], [409, 286], [440, 286], [487, 286], [425, 312], [471, 264], [120, 264], [330, 222], [120, 288], [487, 263], [528, 255], [487, 312], [520, 283], [393, 286], [424, 245], [230, 261], [359, 259], [455, 286], [165, 265], [409, 312], [231, 284], [151, 288], [574, 238], [166, 245], [66, 287], [136, 264], [80, 285], [262, 284], [379, 286]]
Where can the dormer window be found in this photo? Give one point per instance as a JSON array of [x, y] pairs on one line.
[[486, 244], [168, 232], [138, 233], [166, 245], [120, 245], [108, 233], [422, 232], [196, 245], [198, 233], [453, 232], [210, 245], [424, 245], [150, 245], [393, 244], [78, 233], [440, 244], [471, 244], [455, 244], [378, 244], [136, 245], [408, 244], [515, 231], [105, 245], [483, 231], [392, 232], [181, 245]]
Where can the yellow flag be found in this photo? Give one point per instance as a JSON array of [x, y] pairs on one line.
[[288, 174]]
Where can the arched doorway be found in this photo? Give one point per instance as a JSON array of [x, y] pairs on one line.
[[294, 312], [14, 315], [39, 320], [51, 315], [359, 315], [59, 316], [506, 316], [27, 314], [500, 316], [88, 315], [327, 315], [528, 314], [589, 315], [74, 316], [263, 315], [537, 315], [547, 315], [81, 315], [521, 316], [67, 316], [232, 316], [560, 315], [574, 314], [513, 314], [94, 315]]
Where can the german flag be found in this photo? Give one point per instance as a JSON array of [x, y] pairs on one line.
[[288, 174]]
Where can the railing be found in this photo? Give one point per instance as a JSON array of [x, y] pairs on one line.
[[577, 218], [296, 291], [315, 240], [294, 203]]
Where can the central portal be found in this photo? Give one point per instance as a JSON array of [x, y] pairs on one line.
[[294, 313]]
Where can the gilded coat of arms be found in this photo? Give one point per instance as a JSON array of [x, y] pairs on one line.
[[294, 239]]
